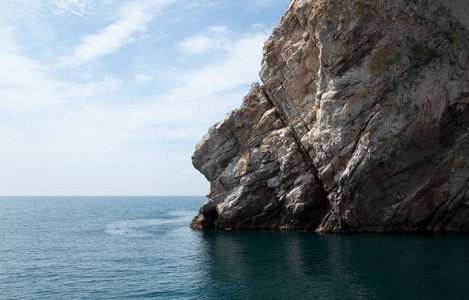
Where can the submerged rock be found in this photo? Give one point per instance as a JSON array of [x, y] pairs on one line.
[[362, 124]]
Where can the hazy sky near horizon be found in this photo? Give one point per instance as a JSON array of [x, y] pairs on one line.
[[108, 97]]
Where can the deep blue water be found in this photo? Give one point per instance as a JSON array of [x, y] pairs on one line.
[[141, 247]]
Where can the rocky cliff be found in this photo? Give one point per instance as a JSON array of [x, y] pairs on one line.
[[361, 124]]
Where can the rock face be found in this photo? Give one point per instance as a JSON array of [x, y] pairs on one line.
[[362, 124]]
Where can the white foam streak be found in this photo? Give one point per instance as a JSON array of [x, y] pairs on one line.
[[146, 227]]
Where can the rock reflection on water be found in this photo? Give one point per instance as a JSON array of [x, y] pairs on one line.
[[291, 265], [278, 265]]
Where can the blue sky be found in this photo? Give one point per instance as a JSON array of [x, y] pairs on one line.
[[107, 97]]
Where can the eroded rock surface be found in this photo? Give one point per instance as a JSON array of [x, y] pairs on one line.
[[361, 125]]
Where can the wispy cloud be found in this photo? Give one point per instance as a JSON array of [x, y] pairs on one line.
[[240, 66], [11, 10], [104, 86], [75, 7], [23, 83], [213, 39], [7, 42], [134, 17], [141, 78], [262, 2]]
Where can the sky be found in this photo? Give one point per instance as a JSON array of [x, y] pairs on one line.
[[109, 97]]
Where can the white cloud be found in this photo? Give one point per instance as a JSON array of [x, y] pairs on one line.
[[7, 43], [263, 2], [23, 85], [142, 78], [75, 7], [134, 18], [240, 66], [196, 45], [19, 9], [258, 26], [213, 39], [86, 75], [90, 90], [217, 29]]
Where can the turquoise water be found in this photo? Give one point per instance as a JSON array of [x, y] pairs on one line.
[[141, 247]]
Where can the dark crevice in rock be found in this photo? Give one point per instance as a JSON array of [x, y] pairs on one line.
[[295, 137], [359, 137], [309, 162]]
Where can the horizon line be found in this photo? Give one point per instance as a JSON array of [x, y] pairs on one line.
[[3, 196]]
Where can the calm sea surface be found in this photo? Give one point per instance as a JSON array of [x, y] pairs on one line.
[[141, 247]]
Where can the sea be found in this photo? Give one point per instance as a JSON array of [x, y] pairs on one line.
[[143, 248]]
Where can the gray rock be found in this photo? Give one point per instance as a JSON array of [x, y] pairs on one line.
[[361, 125]]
